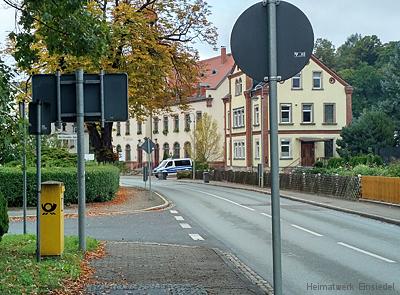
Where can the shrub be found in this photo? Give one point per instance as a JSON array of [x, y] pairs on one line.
[[368, 170], [184, 174], [319, 164], [3, 216], [336, 162], [102, 183], [201, 166], [369, 160]]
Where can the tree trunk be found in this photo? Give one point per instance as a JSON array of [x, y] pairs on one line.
[[100, 140]]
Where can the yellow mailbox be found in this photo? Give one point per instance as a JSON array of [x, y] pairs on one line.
[[52, 218]]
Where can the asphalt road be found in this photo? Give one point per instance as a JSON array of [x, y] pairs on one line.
[[320, 247]]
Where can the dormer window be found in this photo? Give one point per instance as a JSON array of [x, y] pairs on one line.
[[238, 86]]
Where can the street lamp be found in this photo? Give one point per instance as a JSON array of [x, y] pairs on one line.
[[262, 156]]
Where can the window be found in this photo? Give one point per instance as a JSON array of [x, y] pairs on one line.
[[328, 147], [166, 150], [329, 113], [155, 125], [286, 113], [307, 116], [127, 152], [285, 149], [119, 149], [187, 122], [118, 128], [199, 115], [187, 149], [296, 81], [177, 150], [238, 86], [239, 150], [127, 128], [238, 117], [317, 80], [176, 123], [139, 127], [229, 120], [257, 150], [165, 125], [256, 117]]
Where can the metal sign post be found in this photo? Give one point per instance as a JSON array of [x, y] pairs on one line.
[[24, 203], [279, 27], [273, 121], [38, 175], [81, 160]]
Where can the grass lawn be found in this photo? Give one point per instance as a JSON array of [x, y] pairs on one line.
[[21, 274]]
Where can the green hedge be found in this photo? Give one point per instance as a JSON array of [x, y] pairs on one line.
[[102, 182], [3, 216]]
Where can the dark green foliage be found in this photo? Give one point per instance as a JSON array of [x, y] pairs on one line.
[[325, 51], [319, 164], [372, 131], [102, 182], [369, 160], [201, 166], [3, 216], [336, 162]]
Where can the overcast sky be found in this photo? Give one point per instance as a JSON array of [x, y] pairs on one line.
[[334, 20]]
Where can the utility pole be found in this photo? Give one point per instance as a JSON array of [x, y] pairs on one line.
[[194, 148]]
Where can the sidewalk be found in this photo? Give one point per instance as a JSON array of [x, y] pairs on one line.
[[382, 212], [146, 268], [128, 200]]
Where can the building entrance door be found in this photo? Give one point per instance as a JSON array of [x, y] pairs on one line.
[[307, 154]]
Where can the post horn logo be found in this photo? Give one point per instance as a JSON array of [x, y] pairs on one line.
[[49, 208]]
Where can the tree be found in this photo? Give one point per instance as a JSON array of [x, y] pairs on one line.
[[367, 134], [148, 39], [9, 121], [391, 87], [325, 51], [207, 140]]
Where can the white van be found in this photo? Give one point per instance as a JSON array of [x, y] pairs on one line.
[[171, 166]]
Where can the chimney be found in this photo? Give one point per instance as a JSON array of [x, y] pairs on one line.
[[223, 54]]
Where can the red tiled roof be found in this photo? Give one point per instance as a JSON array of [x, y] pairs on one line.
[[215, 69]]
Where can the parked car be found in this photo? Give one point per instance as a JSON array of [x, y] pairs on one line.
[[172, 166]]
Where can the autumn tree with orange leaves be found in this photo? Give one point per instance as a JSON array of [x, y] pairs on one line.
[[150, 40]]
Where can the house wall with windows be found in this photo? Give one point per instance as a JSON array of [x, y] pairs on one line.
[[172, 131], [313, 107]]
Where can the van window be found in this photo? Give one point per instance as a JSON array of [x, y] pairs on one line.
[[186, 163], [169, 164], [178, 163]]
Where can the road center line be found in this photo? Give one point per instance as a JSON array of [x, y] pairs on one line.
[[221, 198], [265, 214], [366, 252], [307, 230], [179, 218], [185, 225], [196, 237]]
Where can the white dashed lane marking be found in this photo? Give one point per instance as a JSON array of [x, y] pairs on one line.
[[265, 214], [366, 252], [185, 225], [196, 237], [307, 230], [224, 199], [179, 218], [173, 211]]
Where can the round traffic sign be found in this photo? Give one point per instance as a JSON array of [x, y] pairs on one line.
[[249, 41]]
